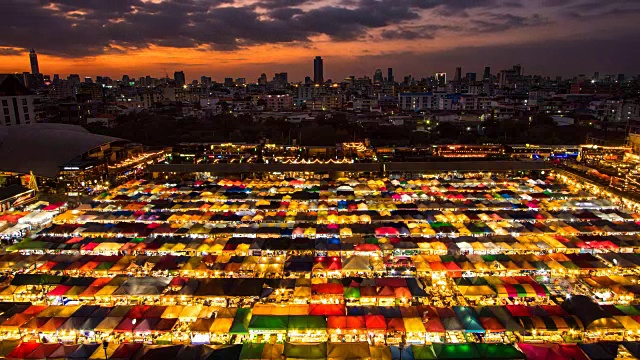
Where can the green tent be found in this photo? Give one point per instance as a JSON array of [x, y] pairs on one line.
[[105, 265], [628, 310], [371, 240], [520, 290], [455, 351], [251, 351], [27, 244], [423, 352], [268, 323], [241, 321], [305, 351], [307, 322], [499, 351], [351, 293], [37, 279]]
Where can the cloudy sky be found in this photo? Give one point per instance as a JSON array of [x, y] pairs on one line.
[[243, 38]]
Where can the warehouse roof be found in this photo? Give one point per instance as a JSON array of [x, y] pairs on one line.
[[44, 148]]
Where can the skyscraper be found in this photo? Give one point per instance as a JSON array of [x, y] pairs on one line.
[[33, 57], [318, 70], [441, 79], [377, 76], [390, 75], [487, 73], [458, 75], [262, 80], [178, 77]]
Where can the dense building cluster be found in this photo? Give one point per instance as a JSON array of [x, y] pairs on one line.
[[597, 102]]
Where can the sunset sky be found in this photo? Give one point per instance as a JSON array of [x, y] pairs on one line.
[[243, 38]]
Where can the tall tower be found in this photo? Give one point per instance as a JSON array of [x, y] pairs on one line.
[[33, 57], [487, 73], [458, 75], [390, 75], [318, 70], [377, 76], [179, 78]]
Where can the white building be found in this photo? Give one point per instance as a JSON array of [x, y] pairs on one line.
[[19, 105]]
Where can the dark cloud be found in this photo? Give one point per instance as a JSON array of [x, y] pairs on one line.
[[275, 4], [504, 22], [9, 52], [587, 9], [78, 28], [412, 32]]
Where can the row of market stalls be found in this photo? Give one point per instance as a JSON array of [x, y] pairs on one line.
[[353, 212], [463, 222], [330, 264], [319, 351], [242, 245], [249, 189], [578, 319]]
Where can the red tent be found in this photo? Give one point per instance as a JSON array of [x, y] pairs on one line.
[[59, 290], [491, 324], [327, 289], [375, 322], [43, 351], [326, 309], [434, 325], [346, 322], [518, 310], [22, 350], [137, 311], [395, 324]]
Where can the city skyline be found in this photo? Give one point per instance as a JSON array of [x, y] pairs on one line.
[[244, 38]]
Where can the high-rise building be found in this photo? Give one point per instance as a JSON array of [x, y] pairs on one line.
[[378, 77], [281, 79], [241, 81], [390, 75], [458, 76], [307, 79], [487, 73], [441, 79], [125, 80], [205, 81], [596, 76], [518, 69], [318, 70], [178, 77], [262, 80], [74, 79], [88, 80], [33, 58], [228, 82], [470, 77]]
